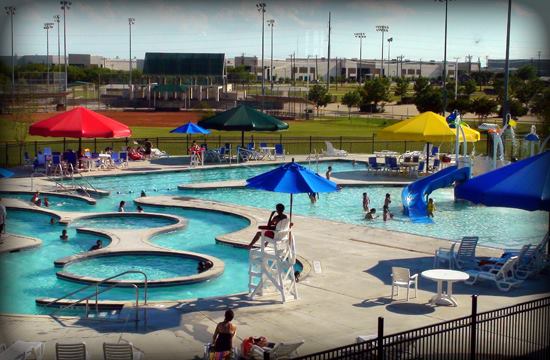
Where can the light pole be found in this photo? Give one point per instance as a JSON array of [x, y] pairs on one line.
[[131, 21], [271, 24], [308, 72], [10, 10], [360, 36], [505, 103], [47, 27], [57, 19], [261, 9], [456, 76], [420, 75], [65, 5], [445, 59], [382, 29], [389, 59]]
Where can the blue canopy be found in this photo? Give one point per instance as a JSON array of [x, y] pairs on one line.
[[522, 185], [190, 128], [532, 137], [4, 173], [291, 178]]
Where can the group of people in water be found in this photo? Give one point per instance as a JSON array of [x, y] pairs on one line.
[[36, 200], [370, 213]]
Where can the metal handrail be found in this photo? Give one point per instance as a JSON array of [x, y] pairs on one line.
[[97, 292]]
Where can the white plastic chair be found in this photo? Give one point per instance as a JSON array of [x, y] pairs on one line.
[[444, 254], [331, 151], [503, 276], [401, 277], [76, 351], [280, 351], [24, 350], [121, 351]]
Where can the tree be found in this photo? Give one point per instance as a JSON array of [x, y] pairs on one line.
[[421, 84], [350, 99], [430, 99], [541, 108], [469, 87], [526, 72], [401, 87], [462, 104], [374, 91], [450, 86], [318, 94], [483, 107]]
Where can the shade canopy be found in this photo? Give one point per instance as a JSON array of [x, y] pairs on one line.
[[5, 173], [243, 118], [471, 134], [190, 128], [80, 123], [428, 127], [532, 137], [291, 178], [522, 185]]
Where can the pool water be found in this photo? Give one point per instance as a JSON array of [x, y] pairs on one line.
[[127, 221], [156, 267], [30, 274]]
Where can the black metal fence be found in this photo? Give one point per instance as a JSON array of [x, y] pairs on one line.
[[517, 331], [13, 153]]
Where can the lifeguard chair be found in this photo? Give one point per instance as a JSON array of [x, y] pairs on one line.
[[271, 267]]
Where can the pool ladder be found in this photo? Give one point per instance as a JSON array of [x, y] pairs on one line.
[[95, 302]]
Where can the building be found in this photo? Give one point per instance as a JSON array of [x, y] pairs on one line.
[[497, 65], [80, 60], [314, 69]]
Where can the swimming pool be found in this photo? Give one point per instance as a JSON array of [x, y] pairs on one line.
[[30, 274], [123, 221]]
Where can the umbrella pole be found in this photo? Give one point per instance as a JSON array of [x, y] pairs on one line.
[[79, 144], [64, 144], [242, 139], [291, 196], [187, 147], [427, 156]]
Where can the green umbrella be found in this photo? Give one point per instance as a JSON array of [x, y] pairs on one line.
[[243, 118]]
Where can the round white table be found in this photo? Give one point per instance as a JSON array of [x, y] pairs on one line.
[[441, 275]]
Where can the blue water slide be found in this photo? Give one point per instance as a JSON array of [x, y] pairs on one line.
[[415, 195]]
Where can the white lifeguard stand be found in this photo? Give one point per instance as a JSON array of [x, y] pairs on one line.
[[271, 267]]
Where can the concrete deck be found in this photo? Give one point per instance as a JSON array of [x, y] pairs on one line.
[[337, 303]]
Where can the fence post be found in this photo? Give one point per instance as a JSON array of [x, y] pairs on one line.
[[281, 139], [219, 141], [95, 145], [372, 143], [310, 144], [158, 143], [380, 338], [405, 149], [35, 148], [473, 330], [6, 154], [340, 142]]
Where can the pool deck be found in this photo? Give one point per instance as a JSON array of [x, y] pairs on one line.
[[338, 303]]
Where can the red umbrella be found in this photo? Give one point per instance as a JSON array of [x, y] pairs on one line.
[[80, 123]]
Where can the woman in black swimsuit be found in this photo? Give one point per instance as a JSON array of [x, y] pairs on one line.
[[225, 331]]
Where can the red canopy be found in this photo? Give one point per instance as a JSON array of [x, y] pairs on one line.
[[80, 123]]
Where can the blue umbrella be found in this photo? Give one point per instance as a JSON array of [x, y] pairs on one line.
[[190, 128], [4, 173], [522, 185], [291, 178]]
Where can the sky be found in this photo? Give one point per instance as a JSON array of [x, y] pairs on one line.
[[100, 27]]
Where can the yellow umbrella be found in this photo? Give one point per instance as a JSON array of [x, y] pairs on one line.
[[429, 127], [471, 134]]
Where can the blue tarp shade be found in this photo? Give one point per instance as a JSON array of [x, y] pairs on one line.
[[5, 173], [522, 185], [190, 128]]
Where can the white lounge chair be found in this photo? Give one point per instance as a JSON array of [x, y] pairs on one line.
[[76, 351], [444, 254], [503, 276], [23, 350], [280, 351], [401, 277], [465, 257], [331, 151], [121, 351]]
